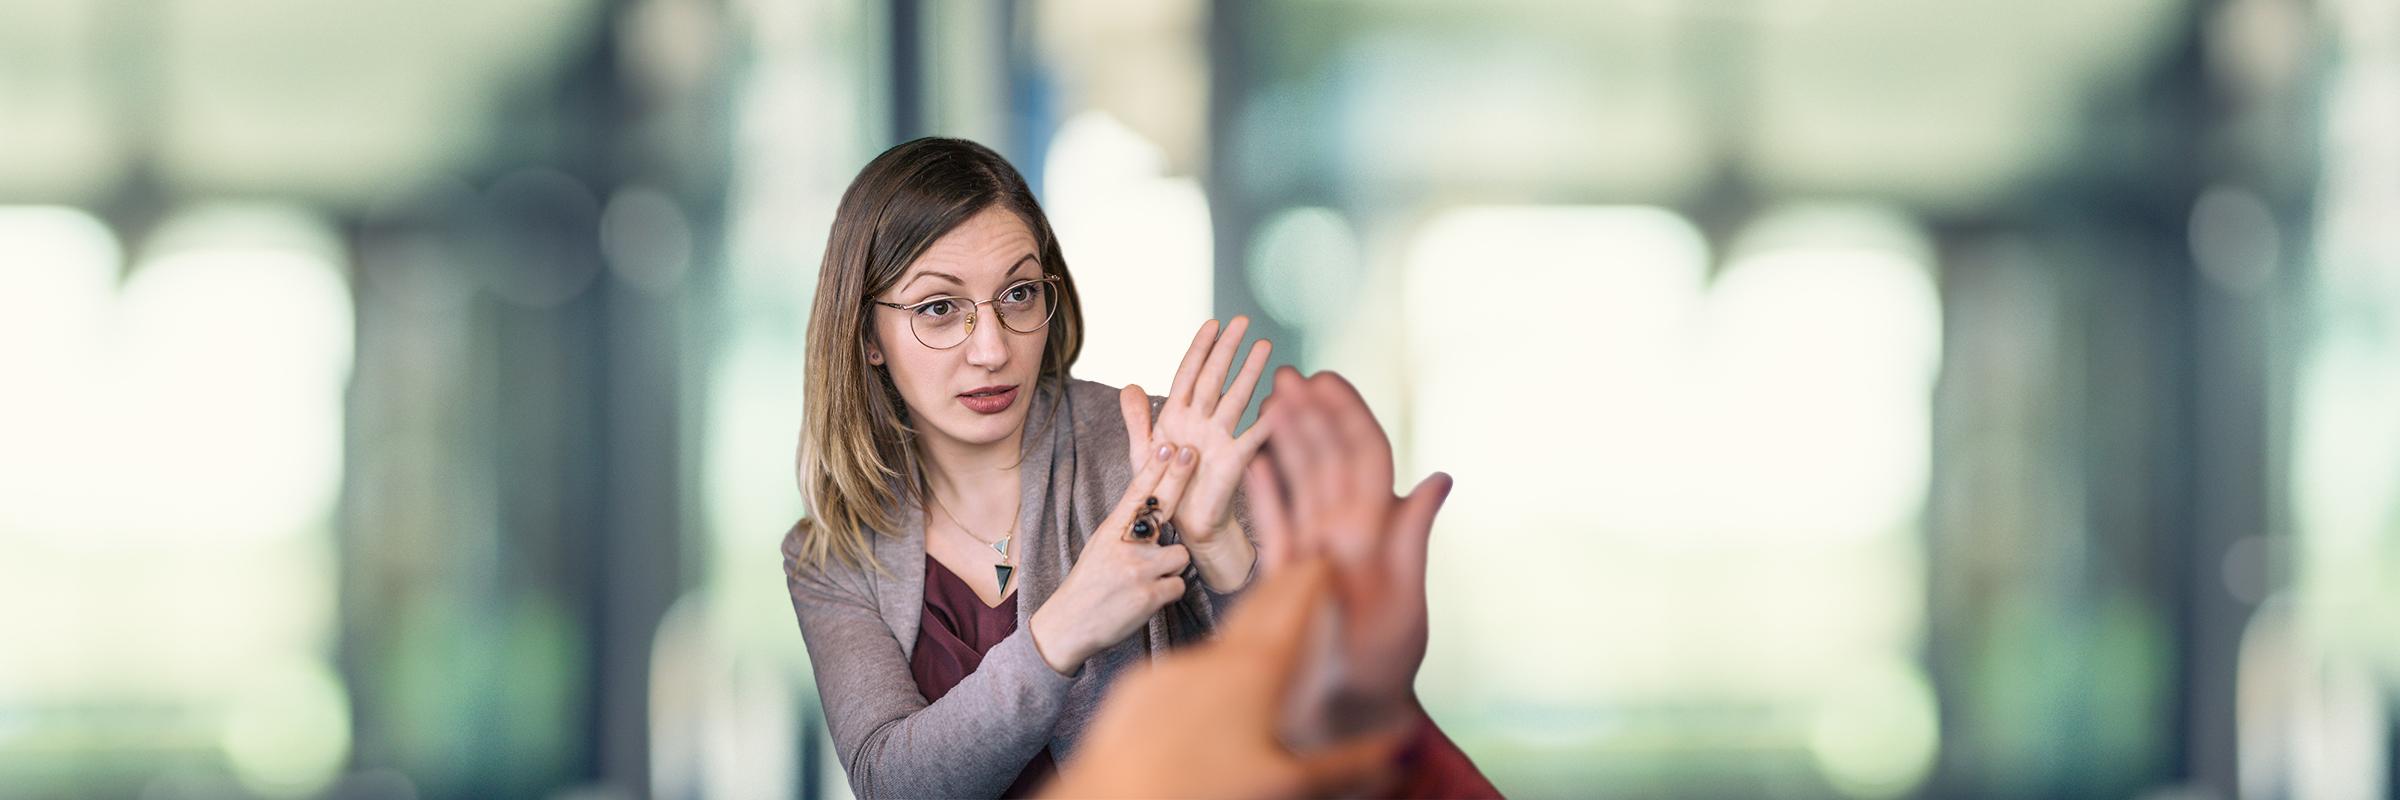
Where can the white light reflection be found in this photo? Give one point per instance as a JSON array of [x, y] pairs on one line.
[[1741, 466], [1139, 244], [1874, 733], [1831, 311], [288, 733], [233, 359], [178, 472], [58, 274]]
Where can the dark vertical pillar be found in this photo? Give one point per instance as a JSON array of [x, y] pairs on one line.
[[550, 545], [904, 30], [630, 517], [1234, 213], [2225, 432]]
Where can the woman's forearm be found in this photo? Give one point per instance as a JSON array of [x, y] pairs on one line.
[[892, 743], [974, 740]]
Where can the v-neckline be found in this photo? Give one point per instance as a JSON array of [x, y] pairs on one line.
[[1007, 593]]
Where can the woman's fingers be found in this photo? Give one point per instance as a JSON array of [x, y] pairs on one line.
[[1135, 405], [1246, 445], [1166, 560], [1221, 471], [1165, 492], [1167, 589], [1236, 401], [1179, 476], [1188, 373], [1206, 391], [1144, 486]]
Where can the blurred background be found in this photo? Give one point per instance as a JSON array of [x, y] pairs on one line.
[[1855, 399]]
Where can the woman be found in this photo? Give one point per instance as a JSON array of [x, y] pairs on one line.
[[984, 537]]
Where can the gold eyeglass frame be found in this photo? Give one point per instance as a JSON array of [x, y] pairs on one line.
[[1049, 284]]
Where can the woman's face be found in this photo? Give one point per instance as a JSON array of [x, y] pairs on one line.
[[977, 392]]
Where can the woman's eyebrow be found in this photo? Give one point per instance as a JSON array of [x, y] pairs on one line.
[[1013, 269], [932, 274]]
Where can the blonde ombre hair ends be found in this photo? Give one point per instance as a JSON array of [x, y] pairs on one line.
[[858, 459]]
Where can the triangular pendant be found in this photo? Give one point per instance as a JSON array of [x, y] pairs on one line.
[[1001, 546], [1004, 570]]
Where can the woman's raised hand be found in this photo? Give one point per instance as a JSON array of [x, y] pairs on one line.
[[1120, 579], [1200, 413]]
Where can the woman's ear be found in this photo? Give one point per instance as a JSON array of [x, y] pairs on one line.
[[874, 352]]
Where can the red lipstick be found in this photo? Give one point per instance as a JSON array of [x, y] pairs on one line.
[[989, 399]]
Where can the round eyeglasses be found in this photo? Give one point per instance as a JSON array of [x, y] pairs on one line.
[[942, 323]]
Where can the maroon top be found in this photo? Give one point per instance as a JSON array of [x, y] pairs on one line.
[[956, 629], [1431, 766], [953, 633]]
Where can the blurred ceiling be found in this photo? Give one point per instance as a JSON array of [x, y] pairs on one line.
[[1941, 104], [332, 101]]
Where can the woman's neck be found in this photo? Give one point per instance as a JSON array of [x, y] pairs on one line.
[[974, 481]]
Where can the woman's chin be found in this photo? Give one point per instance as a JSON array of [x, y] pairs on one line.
[[975, 430]]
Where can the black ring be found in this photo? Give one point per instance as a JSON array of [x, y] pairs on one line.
[[1148, 525]]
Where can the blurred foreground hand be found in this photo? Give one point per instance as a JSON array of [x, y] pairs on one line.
[[1328, 494], [1202, 722]]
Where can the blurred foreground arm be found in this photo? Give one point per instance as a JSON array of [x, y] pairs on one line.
[[1326, 492], [1202, 722], [1336, 547]]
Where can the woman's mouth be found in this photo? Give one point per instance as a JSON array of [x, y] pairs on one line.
[[989, 399]]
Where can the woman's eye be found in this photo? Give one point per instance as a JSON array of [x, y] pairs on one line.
[[937, 308], [1023, 292]]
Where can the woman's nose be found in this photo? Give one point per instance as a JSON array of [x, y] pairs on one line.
[[987, 346]]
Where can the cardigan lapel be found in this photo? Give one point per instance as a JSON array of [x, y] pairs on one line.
[[900, 585], [1047, 547], [1044, 548]]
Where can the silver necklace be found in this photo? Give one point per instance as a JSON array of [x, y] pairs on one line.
[[1008, 563]]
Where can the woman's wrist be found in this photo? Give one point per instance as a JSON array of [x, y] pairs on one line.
[[1051, 644], [1226, 559]]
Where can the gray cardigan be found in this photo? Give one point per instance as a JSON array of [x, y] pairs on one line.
[[860, 624]]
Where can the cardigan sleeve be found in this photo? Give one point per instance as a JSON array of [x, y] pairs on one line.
[[892, 743]]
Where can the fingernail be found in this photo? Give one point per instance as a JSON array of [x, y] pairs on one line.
[[1165, 451], [1187, 455]]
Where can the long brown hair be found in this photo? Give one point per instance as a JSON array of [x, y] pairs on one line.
[[857, 458]]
